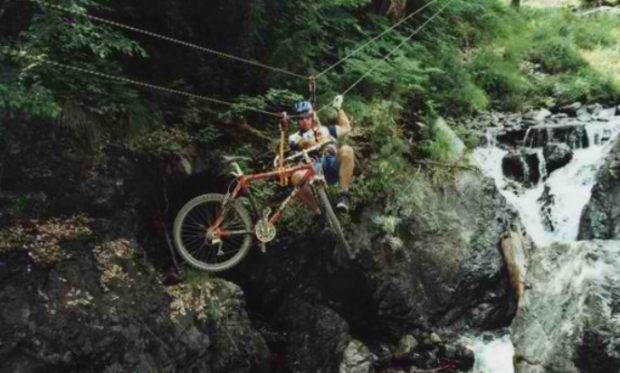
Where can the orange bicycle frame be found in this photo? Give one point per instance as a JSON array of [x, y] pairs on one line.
[[242, 187]]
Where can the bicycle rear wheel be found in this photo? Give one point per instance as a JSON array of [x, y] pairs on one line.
[[205, 246], [331, 217]]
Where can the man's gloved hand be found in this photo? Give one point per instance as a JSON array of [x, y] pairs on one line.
[[337, 103]]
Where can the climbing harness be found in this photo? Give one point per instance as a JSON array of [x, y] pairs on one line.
[[284, 123]]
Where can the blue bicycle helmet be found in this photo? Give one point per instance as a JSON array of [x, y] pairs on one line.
[[302, 108]]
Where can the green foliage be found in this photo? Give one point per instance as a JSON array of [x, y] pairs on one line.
[[438, 148], [595, 32], [471, 23], [498, 74], [275, 101], [57, 36], [161, 142], [388, 162], [16, 204], [476, 55], [556, 55], [538, 63], [593, 3], [587, 87], [454, 89]]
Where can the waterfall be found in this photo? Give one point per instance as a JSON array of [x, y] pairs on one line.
[[550, 209], [542, 165], [526, 167], [570, 186], [493, 354]]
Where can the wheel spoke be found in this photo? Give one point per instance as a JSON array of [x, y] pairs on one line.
[[199, 245]]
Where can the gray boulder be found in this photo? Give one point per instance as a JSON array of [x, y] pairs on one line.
[[427, 261], [357, 358], [536, 116], [556, 155], [600, 218], [522, 166], [456, 145], [568, 321], [78, 296], [432, 259], [571, 109], [318, 340]]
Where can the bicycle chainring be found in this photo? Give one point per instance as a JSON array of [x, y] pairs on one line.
[[265, 231]]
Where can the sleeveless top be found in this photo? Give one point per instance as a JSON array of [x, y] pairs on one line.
[[295, 139]]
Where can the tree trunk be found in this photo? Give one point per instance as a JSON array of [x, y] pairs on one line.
[[397, 9]]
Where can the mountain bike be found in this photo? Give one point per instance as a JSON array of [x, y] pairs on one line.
[[214, 232]]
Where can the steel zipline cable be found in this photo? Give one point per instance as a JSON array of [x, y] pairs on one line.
[[203, 98], [397, 48], [354, 52], [159, 88], [167, 38], [226, 55], [374, 67]]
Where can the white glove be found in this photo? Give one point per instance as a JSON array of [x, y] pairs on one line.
[[337, 103]]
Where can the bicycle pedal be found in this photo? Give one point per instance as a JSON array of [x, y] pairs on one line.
[[263, 248]]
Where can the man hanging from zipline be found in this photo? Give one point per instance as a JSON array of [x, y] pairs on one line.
[[339, 162]]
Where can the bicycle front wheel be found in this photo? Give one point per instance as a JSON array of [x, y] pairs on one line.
[[331, 217], [210, 237]]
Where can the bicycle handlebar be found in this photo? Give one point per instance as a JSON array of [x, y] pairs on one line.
[[304, 153]]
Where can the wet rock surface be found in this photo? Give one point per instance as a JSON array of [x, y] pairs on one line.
[[522, 166], [601, 216], [433, 260], [556, 156], [425, 261], [569, 319], [538, 128], [82, 236], [318, 340], [77, 295]]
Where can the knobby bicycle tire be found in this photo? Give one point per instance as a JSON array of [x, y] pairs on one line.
[[191, 226], [331, 217]]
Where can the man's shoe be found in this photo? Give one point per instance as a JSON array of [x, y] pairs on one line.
[[343, 204]]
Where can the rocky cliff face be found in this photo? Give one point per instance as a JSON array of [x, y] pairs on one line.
[[432, 258], [80, 232], [427, 261], [569, 321], [78, 295], [601, 216], [79, 237]]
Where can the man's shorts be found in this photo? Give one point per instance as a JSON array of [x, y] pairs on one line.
[[331, 169]]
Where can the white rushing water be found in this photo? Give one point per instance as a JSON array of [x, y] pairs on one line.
[[492, 354], [570, 188]]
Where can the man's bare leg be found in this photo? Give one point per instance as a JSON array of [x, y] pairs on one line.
[[346, 158], [305, 194]]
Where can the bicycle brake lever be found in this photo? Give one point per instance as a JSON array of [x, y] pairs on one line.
[[237, 171]]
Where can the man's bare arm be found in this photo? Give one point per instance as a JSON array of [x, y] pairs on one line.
[[343, 124]]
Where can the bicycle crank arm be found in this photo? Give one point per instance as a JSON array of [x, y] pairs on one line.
[[234, 233]]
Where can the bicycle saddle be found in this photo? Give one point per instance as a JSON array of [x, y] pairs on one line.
[[235, 158]]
